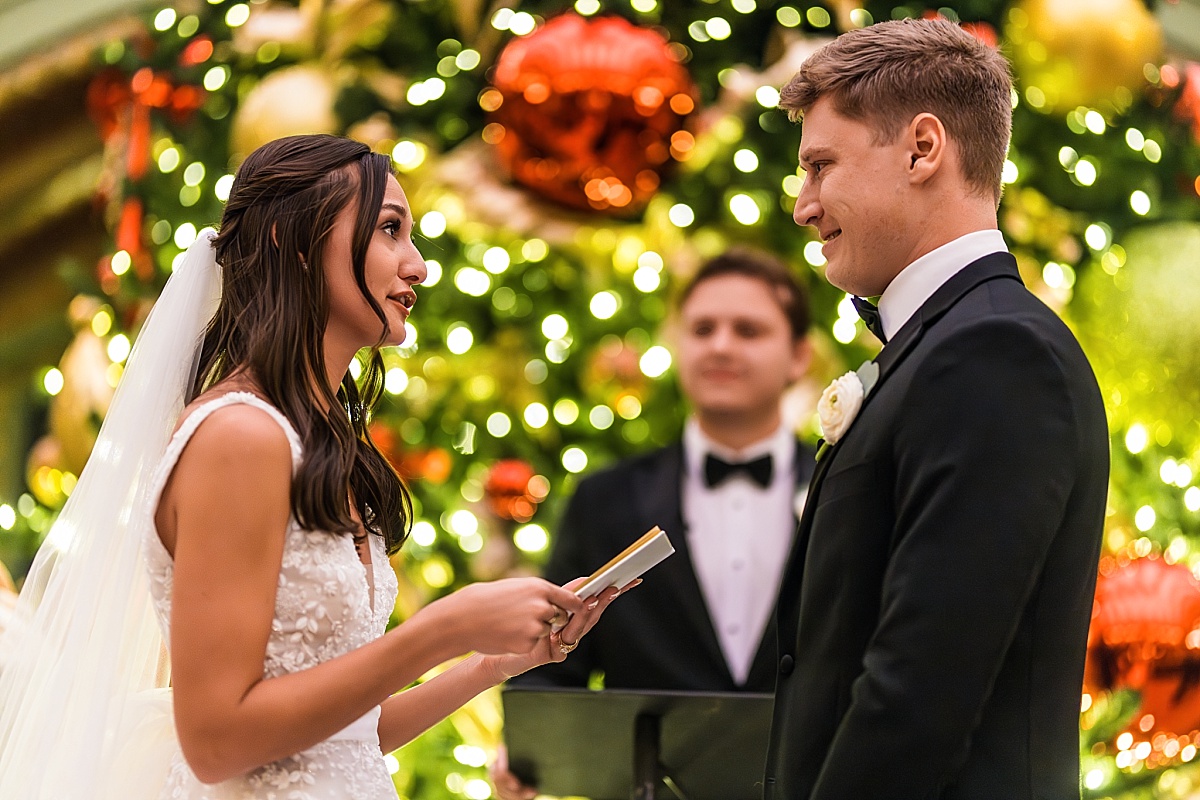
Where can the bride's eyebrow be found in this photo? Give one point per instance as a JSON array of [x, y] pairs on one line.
[[399, 209]]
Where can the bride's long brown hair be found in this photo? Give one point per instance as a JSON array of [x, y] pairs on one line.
[[272, 317]]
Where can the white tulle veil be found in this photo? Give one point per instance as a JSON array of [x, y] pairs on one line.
[[80, 717]]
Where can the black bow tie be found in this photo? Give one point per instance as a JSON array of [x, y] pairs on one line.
[[870, 315], [717, 470]]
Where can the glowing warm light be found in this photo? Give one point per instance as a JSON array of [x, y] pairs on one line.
[[536, 415], [555, 326], [601, 417], [164, 19], [1139, 201], [566, 412], [655, 361], [185, 234], [120, 264], [433, 273], [409, 155], [118, 348], [459, 339], [574, 460], [1136, 438], [474, 282], [813, 253], [745, 160], [522, 23], [168, 160], [744, 209], [395, 380], [531, 538], [767, 96], [844, 330], [646, 279], [603, 305], [237, 15], [423, 533], [53, 381], [499, 424], [214, 79], [718, 28], [470, 755], [681, 215], [477, 789], [1086, 172], [1096, 237], [8, 517], [496, 260], [1144, 519]]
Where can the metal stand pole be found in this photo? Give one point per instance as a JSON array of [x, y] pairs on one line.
[[645, 757]]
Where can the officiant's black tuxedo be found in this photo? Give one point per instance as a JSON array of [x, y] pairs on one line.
[[934, 618], [660, 636]]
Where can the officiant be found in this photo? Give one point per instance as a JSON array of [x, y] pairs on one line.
[[729, 494]]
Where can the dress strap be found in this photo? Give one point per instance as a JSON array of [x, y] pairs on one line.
[[200, 413]]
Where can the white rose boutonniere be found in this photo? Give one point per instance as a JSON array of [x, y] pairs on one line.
[[841, 401]]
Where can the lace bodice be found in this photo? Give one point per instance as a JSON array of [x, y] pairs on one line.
[[326, 605]]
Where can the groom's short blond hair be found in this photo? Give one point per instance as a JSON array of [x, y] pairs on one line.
[[886, 74]]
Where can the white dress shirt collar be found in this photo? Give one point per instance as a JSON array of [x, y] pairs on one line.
[[917, 282]]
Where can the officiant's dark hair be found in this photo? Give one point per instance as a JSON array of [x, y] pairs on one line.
[[761, 266], [273, 313], [886, 74]]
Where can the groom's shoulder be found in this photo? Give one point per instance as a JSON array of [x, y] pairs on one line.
[[1007, 305]]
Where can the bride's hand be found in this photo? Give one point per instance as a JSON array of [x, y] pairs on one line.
[[558, 645]]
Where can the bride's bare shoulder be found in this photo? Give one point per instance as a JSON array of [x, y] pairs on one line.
[[237, 435]]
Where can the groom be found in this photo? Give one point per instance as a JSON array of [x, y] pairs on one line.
[[933, 620]]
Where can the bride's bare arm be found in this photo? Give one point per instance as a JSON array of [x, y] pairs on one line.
[[413, 711], [225, 518]]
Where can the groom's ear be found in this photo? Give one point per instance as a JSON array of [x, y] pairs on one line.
[[928, 147]]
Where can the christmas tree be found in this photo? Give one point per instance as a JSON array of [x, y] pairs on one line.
[[569, 165]]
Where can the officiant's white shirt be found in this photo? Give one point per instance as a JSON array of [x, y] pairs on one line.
[[739, 535], [917, 282]]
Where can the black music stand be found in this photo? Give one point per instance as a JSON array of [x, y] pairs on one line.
[[620, 744]]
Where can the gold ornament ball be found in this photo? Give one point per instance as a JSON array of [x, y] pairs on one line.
[[287, 102], [1082, 52], [77, 411]]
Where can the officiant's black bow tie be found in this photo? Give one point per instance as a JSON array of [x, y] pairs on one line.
[[870, 315], [717, 470]]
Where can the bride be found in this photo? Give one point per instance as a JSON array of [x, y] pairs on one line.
[[235, 473]]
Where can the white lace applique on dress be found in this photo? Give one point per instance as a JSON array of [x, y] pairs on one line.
[[325, 606]]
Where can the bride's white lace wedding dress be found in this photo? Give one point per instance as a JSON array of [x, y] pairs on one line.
[[327, 604]]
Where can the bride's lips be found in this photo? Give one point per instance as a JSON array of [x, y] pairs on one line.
[[405, 301]]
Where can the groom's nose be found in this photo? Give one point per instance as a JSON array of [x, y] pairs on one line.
[[808, 208]]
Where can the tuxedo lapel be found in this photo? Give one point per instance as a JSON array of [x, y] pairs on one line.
[[658, 494], [996, 266], [764, 662]]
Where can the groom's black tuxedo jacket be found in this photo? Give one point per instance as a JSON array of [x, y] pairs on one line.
[[660, 636], [934, 619]]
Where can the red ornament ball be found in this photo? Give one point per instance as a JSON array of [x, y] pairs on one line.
[[1145, 635], [513, 490], [590, 112]]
